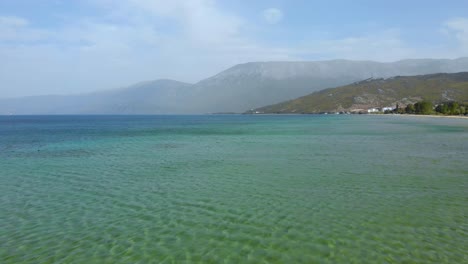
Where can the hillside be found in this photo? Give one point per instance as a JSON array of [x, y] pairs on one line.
[[244, 86], [372, 93], [255, 84]]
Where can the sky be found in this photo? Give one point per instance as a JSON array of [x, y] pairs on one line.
[[80, 46]]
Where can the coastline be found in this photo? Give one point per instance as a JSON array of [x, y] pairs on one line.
[[405, 115], [439, 116]]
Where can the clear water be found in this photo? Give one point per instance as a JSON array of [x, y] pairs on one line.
[[233, 189]]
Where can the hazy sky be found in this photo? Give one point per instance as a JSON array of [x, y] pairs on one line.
[[67, 46]]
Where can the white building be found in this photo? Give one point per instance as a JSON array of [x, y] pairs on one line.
[[372, 110], [388, 108]]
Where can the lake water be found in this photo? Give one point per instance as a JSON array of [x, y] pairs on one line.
[[233, 189]]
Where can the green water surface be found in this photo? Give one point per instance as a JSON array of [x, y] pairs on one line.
[[233, 189]]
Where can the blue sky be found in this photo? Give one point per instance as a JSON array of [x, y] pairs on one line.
[[69, 47]]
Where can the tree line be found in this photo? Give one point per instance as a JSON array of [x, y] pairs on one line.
[[428, 108]]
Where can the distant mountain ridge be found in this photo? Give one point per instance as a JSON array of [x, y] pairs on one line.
[[154, 97], [237, 89], [379, 93]]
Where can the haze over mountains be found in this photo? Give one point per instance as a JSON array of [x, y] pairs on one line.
[[240, 88]]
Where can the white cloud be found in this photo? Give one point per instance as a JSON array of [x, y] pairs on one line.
[[13, 21], [272, 15], [13, 28], [134, 40], [383, 46], [199, 20], [130, 41], [458, 28]]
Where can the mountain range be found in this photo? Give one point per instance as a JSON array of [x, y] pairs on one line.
[[237, 89], [379, 93]]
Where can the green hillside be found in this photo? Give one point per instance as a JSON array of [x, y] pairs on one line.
[[372, 93]]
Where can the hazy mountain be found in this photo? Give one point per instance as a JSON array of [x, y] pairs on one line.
[[237, 89], [154, 97], [255, 84], [437, 88]]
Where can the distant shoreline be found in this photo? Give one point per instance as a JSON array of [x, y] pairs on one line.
[[406, 115], [411, 115]]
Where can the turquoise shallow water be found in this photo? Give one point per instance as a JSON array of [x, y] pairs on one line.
[[233, 189]]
